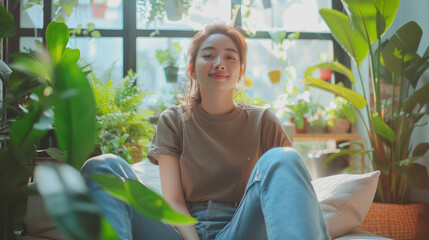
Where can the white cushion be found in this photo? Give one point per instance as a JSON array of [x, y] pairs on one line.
[[345, 200]]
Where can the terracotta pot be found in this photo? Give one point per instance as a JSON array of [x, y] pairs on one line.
[[397, 221], [304, 128], [325, 74], [98, 10], [274, 76]]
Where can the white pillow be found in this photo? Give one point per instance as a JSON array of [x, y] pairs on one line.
[[345, 200]]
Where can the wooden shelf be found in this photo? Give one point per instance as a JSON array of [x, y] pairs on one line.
[[327, 136]]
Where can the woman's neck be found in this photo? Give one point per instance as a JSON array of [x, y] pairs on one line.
[[217, 105]]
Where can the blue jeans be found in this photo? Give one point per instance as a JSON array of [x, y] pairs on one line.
[[279, 203]]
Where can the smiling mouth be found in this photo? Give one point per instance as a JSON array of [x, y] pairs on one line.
[[218, 76]]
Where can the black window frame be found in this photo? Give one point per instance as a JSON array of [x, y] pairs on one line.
[[130, 33]]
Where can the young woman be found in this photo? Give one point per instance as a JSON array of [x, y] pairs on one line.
[[227, 164]]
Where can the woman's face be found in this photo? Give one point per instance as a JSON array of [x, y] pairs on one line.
[[217, 65]]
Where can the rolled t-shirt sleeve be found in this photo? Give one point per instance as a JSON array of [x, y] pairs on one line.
[[273, 133], [166, 140]]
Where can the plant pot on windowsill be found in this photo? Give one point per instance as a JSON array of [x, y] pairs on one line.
[[325, 74], [98, 10], [397, 221], [174, 10], [274, 76], [304, 127], [341, 125], [171, 73]]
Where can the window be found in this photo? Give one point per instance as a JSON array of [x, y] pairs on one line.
[[126, 34]]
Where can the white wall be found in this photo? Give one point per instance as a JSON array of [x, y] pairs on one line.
[[417, 10]]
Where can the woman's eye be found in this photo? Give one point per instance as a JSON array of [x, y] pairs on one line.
[[230, 58], [207, 56]]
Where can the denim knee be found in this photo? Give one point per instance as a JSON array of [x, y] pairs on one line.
[[285, 158], [106, 163]]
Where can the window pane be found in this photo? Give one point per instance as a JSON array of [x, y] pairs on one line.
[[290, 15], [300, 54], [104, 14], [200, 13], [94, 51], [32, 16], [30, 43], [151, 72]]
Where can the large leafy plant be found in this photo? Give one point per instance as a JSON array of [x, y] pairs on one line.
[[390, 123], [48, 90], [121, 117]]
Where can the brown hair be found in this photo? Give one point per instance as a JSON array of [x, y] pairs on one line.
[[192, 92]]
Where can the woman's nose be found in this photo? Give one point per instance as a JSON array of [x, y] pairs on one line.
[[219, 65]]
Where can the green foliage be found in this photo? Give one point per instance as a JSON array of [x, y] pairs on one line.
[[142, 199], [7, 29], [154, 11], [120, 114], [255, 101], [297, 105], [168, 56], [391, 121], [339, 108]]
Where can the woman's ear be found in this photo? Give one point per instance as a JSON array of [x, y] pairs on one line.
[[191, 69]]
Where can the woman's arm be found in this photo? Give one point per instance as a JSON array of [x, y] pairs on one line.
[[172, 190]]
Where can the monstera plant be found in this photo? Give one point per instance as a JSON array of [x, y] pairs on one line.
[[390, 122], [49, 90]]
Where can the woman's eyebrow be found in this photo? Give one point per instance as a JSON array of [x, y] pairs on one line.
[[213, 48]]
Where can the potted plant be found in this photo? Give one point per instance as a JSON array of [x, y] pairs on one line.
[[155, 11], [168, 58], [389, 123], [298, 106], [57, 96], [340, 115], [279, 37], [324, 73], [120, 114], [99, 8]]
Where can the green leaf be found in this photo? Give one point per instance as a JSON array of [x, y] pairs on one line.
[[334, 66], [349, 38], [402, 46], [7, 28], [416, 175], [57, 37], [28, 64], [421, 149], [71, 56], [354, 98], [107, 232], [419, 97], [340, 153], [382, 129], [278, 36], [75, 115], [90, 26], [142, 199], [68, 200], [381, 24], [23, 135], [408, 161], [55, 153], [27, 6], [95, 33]]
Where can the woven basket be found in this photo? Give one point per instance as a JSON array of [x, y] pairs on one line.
[[397, 221]]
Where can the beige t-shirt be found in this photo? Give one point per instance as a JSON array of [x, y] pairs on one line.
[[216, 153]]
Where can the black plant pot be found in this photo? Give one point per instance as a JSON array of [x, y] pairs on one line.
[[266, 4], [171, 73]]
